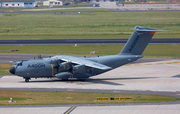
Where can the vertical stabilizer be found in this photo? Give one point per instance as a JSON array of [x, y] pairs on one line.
[[139, 40]]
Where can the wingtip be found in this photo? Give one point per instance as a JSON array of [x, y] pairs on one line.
[[109, 68]]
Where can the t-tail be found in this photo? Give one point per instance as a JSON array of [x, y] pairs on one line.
[[139, 40]]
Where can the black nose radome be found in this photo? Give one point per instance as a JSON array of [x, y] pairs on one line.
[[12, 70]]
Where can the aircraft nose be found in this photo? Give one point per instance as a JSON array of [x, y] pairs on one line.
[[12, 70]]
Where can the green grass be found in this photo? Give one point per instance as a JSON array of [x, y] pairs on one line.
[[86, 25], [11, 9], [161, 51], [40, 3], [4, 68], [45, 98]]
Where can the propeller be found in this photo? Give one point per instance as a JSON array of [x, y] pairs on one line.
[[39, 56]]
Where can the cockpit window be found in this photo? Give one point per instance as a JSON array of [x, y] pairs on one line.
[[19, 64]]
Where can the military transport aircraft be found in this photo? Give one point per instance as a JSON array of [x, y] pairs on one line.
[[76, 68]]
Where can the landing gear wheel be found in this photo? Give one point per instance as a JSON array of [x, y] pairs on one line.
[[26, 79], [64, 79]]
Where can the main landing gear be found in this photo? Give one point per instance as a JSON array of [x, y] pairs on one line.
[[27, 79]]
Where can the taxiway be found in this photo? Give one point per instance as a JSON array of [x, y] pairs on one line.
[[160, 77], [149, 76], [83, 41]]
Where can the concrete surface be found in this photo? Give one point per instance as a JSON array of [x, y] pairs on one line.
[[136, 7], [33, 110], [112, 5], [140, 109], [153, 76], [158, 77]]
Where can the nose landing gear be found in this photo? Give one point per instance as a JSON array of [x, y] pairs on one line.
[[27, 79]]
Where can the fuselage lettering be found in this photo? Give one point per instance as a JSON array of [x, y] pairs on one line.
[[134, 43], [36, 65]]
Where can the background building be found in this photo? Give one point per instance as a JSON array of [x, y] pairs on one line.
[[18, 3], [55, 3]]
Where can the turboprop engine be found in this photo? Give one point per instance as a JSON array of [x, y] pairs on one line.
[[80, 69], [65, 66], [67, 70], [64, 75]]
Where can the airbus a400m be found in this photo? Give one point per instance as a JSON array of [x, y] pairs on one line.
[[76, 68]]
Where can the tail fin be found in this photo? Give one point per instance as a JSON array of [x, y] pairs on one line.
[[139, 40]]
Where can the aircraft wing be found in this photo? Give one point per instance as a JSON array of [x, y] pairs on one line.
[[78, 60]]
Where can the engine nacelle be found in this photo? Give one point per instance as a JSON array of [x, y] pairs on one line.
[[63, 75], [80, 69], [65, 66]]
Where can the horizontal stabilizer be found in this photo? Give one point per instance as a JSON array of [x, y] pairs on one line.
[[144, 29]]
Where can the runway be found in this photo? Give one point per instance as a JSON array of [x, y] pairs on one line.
[[146, 76], [131, 109], [83, 41], [85, 11]]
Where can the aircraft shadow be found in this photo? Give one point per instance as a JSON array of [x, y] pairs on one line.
[[75, 81], [120, 78], [105, 80], [90, 80], [176, 76]]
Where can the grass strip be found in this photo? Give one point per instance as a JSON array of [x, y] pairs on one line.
[[45, 98], [4, 69], [86, 25], [80, 36], [152, 50]]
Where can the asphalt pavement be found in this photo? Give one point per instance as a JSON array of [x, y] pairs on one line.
[[83, 41], [156, 76], [2, 12]]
